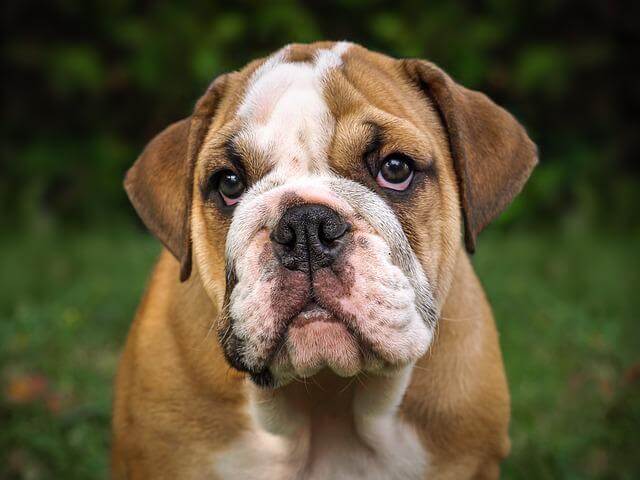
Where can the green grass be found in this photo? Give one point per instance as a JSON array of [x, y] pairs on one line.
[[66, 301], [566, 304], [568, 313]]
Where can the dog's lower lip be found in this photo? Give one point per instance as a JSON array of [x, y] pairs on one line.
[[312, 305], [312, 312]]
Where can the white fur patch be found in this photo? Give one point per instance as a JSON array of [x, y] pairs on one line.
[[284, 113], [377, 446]]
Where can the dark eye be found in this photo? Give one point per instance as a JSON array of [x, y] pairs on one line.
[[230, 186], [396, 172]]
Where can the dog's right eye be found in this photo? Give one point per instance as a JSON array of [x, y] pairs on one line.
[[231, 187], [228, 184]]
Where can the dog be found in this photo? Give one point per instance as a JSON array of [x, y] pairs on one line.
[[315, 314]]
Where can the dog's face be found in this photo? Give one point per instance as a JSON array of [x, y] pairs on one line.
[[321, 193]]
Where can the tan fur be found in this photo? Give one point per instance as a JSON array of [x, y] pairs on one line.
[[178, 403]]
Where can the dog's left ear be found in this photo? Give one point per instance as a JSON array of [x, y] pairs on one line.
[[492, 153], [160, 182]]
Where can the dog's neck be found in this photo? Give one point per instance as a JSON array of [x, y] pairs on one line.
[[328, 424], [365, 402]]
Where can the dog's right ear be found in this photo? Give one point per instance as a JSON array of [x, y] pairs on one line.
[[160, 182]]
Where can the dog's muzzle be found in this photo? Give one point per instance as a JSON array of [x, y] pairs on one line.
[[321, 277]]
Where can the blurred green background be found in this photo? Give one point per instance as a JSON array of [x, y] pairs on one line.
[[86, 84]]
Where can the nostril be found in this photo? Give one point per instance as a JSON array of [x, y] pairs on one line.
[[284, 235], [331, 231]]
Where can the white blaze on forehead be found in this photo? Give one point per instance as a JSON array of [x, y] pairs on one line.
[[284, 112]]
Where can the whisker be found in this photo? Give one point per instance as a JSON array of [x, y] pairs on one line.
[[459, 319], [210, 329], [315, 382], [418, 367], [360, 381], [345, 388]]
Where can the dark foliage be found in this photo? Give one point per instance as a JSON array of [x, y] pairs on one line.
[[86, 84]]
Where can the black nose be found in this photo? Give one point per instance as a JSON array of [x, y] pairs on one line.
[[309, 237]]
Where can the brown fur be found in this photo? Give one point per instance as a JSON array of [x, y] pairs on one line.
[[177, 401]]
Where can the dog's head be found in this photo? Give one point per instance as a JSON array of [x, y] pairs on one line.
[[322, 194]]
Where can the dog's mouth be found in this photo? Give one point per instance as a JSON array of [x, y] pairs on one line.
[[312, 312], [314, 339], [325, 331]]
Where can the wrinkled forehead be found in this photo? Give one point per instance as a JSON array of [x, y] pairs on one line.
[[283, 117], [283, 110]]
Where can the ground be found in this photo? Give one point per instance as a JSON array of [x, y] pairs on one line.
[[566, 304]]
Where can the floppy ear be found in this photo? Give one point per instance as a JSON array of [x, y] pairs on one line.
[[160, 182], [492, 154]]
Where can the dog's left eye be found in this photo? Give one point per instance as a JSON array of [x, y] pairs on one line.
[[396, 172]]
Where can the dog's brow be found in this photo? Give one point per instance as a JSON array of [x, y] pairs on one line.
[[246, 159], [232, 153], [374, 142]]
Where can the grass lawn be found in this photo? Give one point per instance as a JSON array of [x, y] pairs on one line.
[[567, 306]]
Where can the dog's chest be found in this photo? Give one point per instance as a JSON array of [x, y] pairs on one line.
[[326, 452]]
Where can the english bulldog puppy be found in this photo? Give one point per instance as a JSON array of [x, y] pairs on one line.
[[315, 314]]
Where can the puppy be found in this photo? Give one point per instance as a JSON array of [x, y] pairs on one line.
[[314, 314]]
